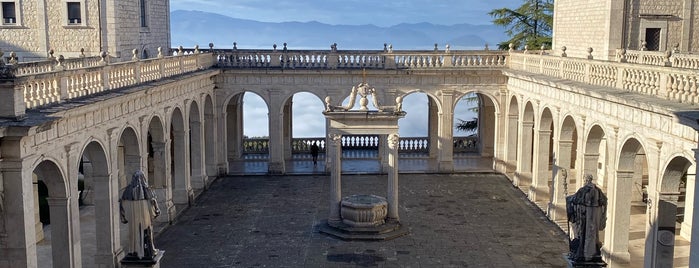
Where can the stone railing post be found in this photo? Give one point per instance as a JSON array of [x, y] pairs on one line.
[[333, 58], [14, 106], [621, 71], [448, 62], [275, 57], [663, 84], [390, 58]]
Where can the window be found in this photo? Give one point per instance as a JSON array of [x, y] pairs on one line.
[[74, 13], [9, 13], [653, 39], [144, 21]]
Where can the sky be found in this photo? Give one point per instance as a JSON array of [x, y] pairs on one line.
[[307, 109], [353, 12]]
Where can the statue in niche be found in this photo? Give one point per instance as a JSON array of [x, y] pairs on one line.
[[137, 207], [587, 212]]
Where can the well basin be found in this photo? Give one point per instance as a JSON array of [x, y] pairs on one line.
[[363, 210]]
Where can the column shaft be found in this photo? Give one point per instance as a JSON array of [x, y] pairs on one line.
[[392, 178], [334, 161]]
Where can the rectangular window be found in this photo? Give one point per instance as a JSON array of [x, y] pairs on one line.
[[9, 14], [653, 39], [144, 22], [74, 13]]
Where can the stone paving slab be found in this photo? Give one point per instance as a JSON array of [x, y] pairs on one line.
[[456, 220]]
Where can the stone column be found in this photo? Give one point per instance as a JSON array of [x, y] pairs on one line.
[[20, 245], [212, 141], [73, 156], [37, 217], [686, 229], [392, 192], [197, 173], [616, 235], [106, 221], [182, 189], [511, 143], [161, 181], [287, 123], [335, 163], [694, 246], [524, 155], [539, 187], [276, 137], [384, 152], [446, 133], [65, 243], [557, 208], [433, 130]]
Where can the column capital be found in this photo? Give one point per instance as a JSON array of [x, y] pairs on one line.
[[335, 139], [393, 141]]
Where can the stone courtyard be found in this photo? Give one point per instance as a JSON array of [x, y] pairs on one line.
[[457, 220]]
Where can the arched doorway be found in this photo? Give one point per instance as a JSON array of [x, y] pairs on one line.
[[58, 213], [474, 138], [669, 247], [209, 139], [418, 132], [542, 182], [99, 210], [158, 173], [595, 158], [304, 124], [247, 133], [525, 157], [512, 132], [128, 161]]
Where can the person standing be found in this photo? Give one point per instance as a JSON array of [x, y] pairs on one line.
[[314, 152]]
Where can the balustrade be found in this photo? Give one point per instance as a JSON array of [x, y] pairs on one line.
[[366, 59], [359, 143], [42, 85], [659, 81]]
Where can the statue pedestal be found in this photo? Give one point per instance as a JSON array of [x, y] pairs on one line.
[[584, 264], [154, 263]]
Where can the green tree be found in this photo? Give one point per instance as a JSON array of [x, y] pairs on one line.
[[469, 125], [530, 24]]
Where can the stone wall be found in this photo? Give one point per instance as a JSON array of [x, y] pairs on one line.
[[25, 38], [579, 24], [67, 39], [639, 17], [130, 35]]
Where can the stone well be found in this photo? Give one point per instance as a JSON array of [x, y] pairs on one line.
[[363, 210]]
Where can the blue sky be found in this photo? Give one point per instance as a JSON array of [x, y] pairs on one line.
[[353, 12], [308, 118]]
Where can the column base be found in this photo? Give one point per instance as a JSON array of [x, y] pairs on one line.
[[616, 259], [276, 168], [387, 231], [583, 264], [154, 263]]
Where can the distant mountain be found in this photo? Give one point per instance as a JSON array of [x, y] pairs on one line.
[[189, 28]]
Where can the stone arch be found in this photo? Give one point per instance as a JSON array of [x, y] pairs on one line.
[[512, 132], [430, 96], [128, 156], [56, 202], [542, 181], [595, 157], [301, 145], [96, 171], [159, 177], [628, 203], [487, 110], [671, 211], [209, 137], [235, 127], [525, 164], [196, 146], [179, 171], [568, 149]]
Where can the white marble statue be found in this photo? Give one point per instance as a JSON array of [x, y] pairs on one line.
[[137, 208]]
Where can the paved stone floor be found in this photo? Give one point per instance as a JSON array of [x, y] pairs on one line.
[[458, 220]]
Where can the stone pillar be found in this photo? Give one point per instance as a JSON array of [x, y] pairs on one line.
[[539, 187], [20, 247], [511, 143], [392, 192], [487, 129], [433, 129], [660, 237], [106, 221], [686, 229], [524, 155], [73, 156], [616, 235], [197, 173], [161, 181], [211, 142], [694, 246], [589, 167], [333, 158], [557, 207], [287, 123], [37, 217], [65, 242], [182, 194], [446, 133], [276, 138], [384, 152]]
